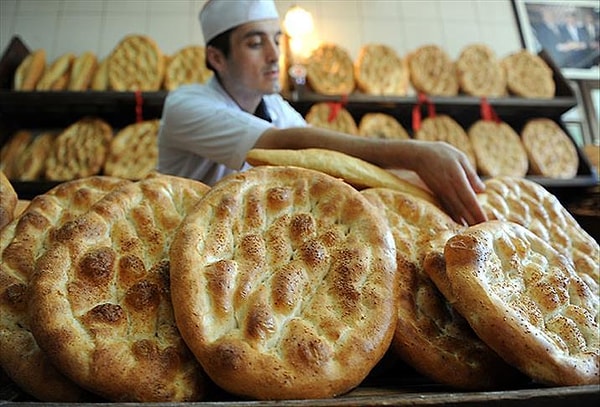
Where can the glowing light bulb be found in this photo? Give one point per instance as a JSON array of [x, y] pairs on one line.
[[298, 22]]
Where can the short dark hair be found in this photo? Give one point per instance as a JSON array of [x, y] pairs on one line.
[[222, 43]]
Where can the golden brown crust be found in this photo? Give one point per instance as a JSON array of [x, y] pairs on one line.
[[79, 150], [133, 152], [100, 78], [30, 70], [100, 305], [432, 71], [551, 151], [12, 150], [379, 70], [480, 72], [444, 128], [8, 201], [498, 149], [82, 71], [330, 70], [533, 309], [22, 242], [530, 205], [356, 172], [528, 75], [136, 63], [297, 272], [381, 125], [56, 76], [31, 163], [329, 116], [430, 335], [186, 66]]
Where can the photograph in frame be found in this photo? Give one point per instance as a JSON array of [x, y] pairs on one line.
[[590, 93], [568, 31]]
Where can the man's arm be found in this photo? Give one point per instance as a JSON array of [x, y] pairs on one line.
[[444, 169]]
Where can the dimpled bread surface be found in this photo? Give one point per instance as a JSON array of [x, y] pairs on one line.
[[22, 242], [379, 70], [430, 335], [283, 283], [331, 116], [8, 200], [381, 125], [330, 70], [100, 304], [532, 308], [530, 205]]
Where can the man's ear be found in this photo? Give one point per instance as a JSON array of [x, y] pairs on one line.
[[215, 57]]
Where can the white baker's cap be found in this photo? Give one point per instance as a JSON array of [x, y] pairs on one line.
[[218, 16]]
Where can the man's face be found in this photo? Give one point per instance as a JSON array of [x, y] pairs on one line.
[[253, 64]]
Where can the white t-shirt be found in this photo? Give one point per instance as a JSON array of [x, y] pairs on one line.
[[205, 135]]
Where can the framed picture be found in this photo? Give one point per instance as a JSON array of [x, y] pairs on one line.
[[590, 93], [576, 119], [569, 32]]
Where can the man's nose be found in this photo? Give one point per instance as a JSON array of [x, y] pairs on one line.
[[273, 51]]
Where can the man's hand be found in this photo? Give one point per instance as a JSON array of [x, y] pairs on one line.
[[451, 177]]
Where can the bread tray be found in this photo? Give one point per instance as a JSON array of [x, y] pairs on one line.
[[412, 390]]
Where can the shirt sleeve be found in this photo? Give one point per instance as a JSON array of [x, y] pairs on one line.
[[210, 128]]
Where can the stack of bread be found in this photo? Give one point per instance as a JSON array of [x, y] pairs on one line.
[[291, 280], [541, 148], [429, 69], [88, 147], [135, 63]]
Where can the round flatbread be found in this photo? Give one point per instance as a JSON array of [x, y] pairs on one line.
[[532, 206], [330, 70], [283, 284], [133, 152], [381, 125], [379, 70], [100, 304], [331, 116], [100, 78], [444, 128], [80, 150], [498, 149], [8, 200], [57, 75], [528, 75], [186, 66], [480, 72], [430, 335], [531, 306], [432, 71], [136, 63], [11, 152], [22, 242], [551, 151], [30, 70], [31, 163], [82, 71], [356, 172]]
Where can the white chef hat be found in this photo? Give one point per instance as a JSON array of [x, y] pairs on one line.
[[218, 16]]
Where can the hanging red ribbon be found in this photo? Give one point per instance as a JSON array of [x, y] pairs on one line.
[[335, 107], [487, 111], [139, 101], [416, 112]]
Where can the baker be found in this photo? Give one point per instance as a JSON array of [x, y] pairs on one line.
[[207, 130]]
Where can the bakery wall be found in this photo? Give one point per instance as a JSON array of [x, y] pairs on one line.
[[61, 26]]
